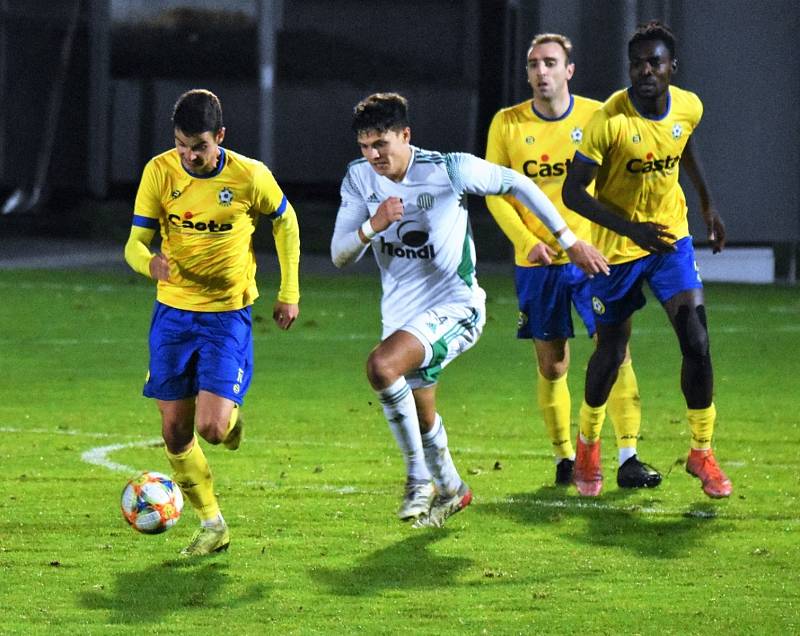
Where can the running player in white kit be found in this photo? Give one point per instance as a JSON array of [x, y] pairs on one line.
[[409, 205]]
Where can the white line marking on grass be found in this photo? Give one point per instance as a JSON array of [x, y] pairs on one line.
[[98, 455]]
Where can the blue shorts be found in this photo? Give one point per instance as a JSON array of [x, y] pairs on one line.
[[197, 350], [545, 294], [615, 297]]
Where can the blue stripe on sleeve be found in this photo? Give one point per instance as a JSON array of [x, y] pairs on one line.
[[585, 159], [145, 221], [281, 209]]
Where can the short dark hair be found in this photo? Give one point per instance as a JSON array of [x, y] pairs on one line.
[[653, 30], [381, 112], [197, 111]]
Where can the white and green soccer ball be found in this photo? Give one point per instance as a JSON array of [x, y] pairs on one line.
[[151, 502]]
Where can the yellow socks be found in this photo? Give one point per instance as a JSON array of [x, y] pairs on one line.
[[190, 469], [591, 421], [625, 407], [701, 421], [554, 403], [232, 421]]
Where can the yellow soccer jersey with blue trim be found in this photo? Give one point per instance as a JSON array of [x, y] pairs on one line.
[[638, 159], [540, 148], [206, 225]]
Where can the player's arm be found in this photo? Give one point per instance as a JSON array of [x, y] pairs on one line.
[[690, 161], [139, 256], [476, 176], [354, 228], [582, 171], [286, 232], [504, 214]]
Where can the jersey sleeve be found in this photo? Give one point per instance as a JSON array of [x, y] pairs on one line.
[[146, 213], [286, 232], [504, 214], [346, 245], [597, 138], [268, 198]]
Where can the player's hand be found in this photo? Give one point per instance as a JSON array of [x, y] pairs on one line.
[[652, 237], [588, 259], [388, 212], [284, 314], [159, 267], [716, 229], [541, 254]]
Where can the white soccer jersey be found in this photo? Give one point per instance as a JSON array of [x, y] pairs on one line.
[[428, 257]]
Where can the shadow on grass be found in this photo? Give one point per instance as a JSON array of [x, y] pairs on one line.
[[408, 564], [613, 521], [149, 595]]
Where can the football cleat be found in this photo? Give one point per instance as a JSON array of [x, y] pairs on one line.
[[417, 500], [564, 470], [234, 436], [636, 474], [587, 475], [443, 507], [208, 541], [703, 465]]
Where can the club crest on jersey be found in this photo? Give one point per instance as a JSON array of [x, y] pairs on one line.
[[425, 201], [225, 197], [677, 131], [598, 306], [576, 135]]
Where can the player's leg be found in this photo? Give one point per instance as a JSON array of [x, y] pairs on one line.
[[555, 404], [446, 331], [677, 285], [625, 411], [543, 295], [191, 472], [386, 368], [686, 311]]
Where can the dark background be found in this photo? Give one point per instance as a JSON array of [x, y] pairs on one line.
[[289, 73]]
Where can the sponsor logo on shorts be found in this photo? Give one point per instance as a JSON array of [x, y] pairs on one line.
[[598, 306]]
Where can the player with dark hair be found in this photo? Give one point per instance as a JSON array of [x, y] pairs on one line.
[[207, 201], [634, 146], [537, 138], [408, 204]]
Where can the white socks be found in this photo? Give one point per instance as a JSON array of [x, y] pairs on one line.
[[440, 463], [401, 414]]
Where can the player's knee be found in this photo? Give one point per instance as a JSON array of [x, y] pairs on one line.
[[692, 329], [553, 369], [381, 371], [212, 430], [610, 354]]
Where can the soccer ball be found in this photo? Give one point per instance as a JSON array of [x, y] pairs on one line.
[[151, 503]]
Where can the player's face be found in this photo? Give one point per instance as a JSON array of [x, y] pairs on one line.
[[548, 71], [650, 69], [387, 152], [199, 153]]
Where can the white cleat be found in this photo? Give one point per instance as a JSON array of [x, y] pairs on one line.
[[445, 506], [417, 500]]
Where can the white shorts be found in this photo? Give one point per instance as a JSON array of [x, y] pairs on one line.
[[445, 331]]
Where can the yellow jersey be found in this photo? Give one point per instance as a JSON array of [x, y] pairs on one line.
[[207, 223], [542, 149], [638, 159]]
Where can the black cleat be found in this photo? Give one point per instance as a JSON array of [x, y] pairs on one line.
[[564, 472], [636, 474]]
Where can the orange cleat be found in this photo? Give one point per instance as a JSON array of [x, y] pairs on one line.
[[587, 475], [703, 465]]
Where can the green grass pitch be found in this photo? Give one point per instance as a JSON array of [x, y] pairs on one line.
[[312, 493]]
